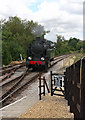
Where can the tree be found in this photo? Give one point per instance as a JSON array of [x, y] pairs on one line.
[[16, 36], [59, 45], [73, 43], [67, 46], [79, 45], [6, 56], [84, 46]]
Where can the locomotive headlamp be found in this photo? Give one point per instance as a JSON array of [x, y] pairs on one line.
[[42, 58], [29, 58]]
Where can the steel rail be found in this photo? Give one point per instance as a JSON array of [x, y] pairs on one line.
[[18, 87], [13, 90], [8, 69]]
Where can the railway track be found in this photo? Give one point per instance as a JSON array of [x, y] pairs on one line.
[[22, 82], [12, 86], [59, 58], [8, 69]]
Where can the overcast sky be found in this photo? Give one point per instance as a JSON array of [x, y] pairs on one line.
[[63, 17]]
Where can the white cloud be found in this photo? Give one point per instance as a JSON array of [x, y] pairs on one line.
[[72, 6], [64, 17], [48, 10], [16, 7]]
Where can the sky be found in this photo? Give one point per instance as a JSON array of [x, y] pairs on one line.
[[61, 17]]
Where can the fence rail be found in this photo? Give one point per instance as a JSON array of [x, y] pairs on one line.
[[74, 85]]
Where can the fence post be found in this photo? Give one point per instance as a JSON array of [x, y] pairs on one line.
[[65, 84], [75, 88], [44, 86], [83, 88], [39, 87], [51, 83]]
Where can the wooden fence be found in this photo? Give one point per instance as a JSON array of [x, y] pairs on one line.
[[74, 85], [42, 85], [56, 81]]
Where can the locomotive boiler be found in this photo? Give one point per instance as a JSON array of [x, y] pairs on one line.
[[40, 53]]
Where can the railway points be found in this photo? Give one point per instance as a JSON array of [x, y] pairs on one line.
[[35, 74], [13, 85]]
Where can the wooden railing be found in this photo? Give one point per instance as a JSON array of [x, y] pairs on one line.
[[42, 85], [74, 85]]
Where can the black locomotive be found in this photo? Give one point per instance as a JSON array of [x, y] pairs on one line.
[[39, 54]]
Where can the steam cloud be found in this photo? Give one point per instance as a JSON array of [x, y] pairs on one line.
[[38, 30]]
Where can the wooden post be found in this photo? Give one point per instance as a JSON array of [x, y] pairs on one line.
[[83, 89], [49, 84], [44, 86], [39, 87]]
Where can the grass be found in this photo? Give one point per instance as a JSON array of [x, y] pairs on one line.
[[78, 56]]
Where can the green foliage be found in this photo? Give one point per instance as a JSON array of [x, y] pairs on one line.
[[73, 43], [16, 36], [84, 46], [62, 46], [6, 56], [68, 46], [79, 45]]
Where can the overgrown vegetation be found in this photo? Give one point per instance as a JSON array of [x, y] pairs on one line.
[[17, 34], [68, 46], [78, 57]]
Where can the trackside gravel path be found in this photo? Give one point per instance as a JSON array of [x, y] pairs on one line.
[[49, 107]]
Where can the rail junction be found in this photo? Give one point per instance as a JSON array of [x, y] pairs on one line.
[[14, 79]]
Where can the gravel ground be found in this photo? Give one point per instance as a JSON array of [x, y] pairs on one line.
[[49, 107]]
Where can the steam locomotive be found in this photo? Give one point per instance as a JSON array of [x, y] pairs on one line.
[[40, 54]]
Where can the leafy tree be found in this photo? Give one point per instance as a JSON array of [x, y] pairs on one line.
[[14, 25], [62, 45], [68, 46], [73, 43], [79, 45], [84, 46], [6, 56], [16, 36]]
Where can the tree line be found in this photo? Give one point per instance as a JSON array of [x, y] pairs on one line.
[[17, 34], [64, 46]]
